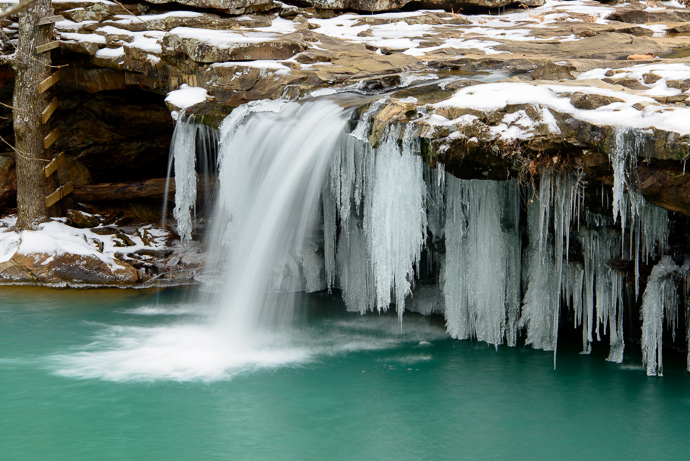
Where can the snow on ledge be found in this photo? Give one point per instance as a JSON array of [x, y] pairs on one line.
[[57, 238], [187, 96], [495, 96]]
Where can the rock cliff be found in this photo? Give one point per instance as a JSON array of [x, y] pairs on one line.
[[492, 92]]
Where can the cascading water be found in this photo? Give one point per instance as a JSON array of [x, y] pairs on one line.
[[273, 160], [305, 204]]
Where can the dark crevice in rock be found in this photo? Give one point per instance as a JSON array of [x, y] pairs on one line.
[[117, 135]]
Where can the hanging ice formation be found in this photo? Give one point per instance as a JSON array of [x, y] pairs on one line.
[[602, 292], [648, 225], [598, 305], [548, 280], [375, 257], [658, 302], [190, 141], [383, 212], [481, 278]]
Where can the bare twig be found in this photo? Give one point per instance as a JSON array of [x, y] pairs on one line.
[[19, 7], [22, 154], [125, 8], [33, 58]]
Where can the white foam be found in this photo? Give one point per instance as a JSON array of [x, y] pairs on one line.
[[199, 352]]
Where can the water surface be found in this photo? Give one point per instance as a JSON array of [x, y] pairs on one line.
[[343, 386]]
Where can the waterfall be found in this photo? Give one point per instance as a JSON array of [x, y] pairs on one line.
[[273, 159], [306, 203]]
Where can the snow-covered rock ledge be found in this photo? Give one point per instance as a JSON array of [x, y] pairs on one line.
[[60, 255], [518, 127]]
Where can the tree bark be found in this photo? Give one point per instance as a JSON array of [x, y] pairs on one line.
[[32, 156]]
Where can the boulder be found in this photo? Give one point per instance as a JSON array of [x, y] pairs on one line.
[[547, 70], [227, 6], [82, 219], [250, 6], [166, 22], [230, 46], [98, 11], [67, 268], [679, 29], [591, 101], [637, 16]]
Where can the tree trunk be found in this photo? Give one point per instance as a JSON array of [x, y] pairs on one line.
[[32, 156]]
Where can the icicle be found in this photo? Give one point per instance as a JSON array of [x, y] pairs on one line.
[[648, 224], [651, 237], [512, 244], [435, 182], [545, 189], [615, 316], [541, 299], [330, 223], [354, 270], [394, 220], [627, 146], [481, 270], [183, 148], [561, 222], [454, 274], [685, 274], [573, 287], [381, 237], [603, 288], [659, 298], [441, 175], [541, 306]]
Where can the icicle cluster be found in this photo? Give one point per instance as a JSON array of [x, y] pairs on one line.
[[560, 200], [384, 212], [482, 261], [602, 292], [659, 301], [183, 150], [190, 141], [375, 230], [648, 225], [382, 235]]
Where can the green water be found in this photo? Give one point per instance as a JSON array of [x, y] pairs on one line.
[[72, 387], [677, 53]]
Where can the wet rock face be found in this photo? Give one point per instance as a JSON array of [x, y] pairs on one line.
[[643, 16], [547, 70]]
